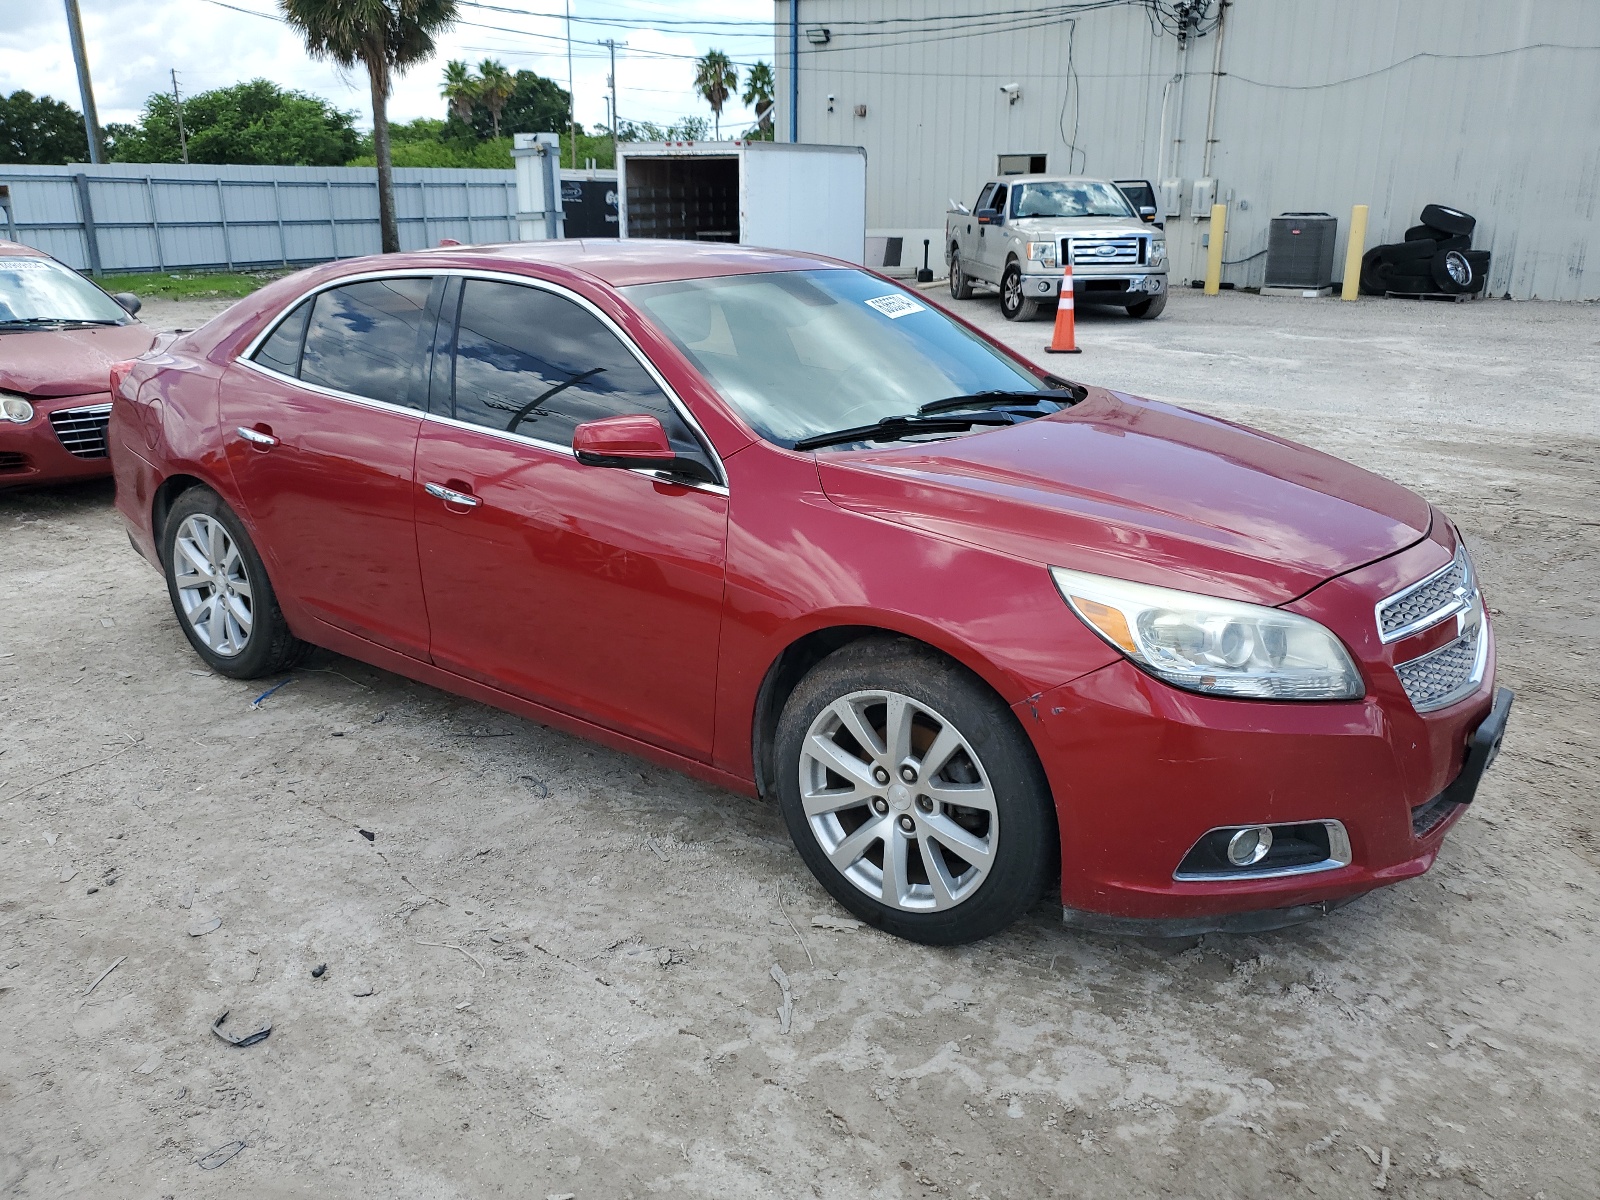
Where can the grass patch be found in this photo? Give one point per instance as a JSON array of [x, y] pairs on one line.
[[182, 285]]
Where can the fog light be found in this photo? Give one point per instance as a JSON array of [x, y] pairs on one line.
[[1044, 285], [1249, 846]]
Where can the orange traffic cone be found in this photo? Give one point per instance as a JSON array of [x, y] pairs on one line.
[[1064, 340]]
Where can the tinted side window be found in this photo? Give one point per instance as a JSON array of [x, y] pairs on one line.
[[983, 197], [281, 351], [531, 362], [362, 338], [998, 200]]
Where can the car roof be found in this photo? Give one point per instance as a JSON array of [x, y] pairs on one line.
[[18, 250], [1048, 179], [620, 262]]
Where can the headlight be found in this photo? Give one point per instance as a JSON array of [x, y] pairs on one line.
[[1219, 647], [1043, 253], [15, 408], [1158, 250]]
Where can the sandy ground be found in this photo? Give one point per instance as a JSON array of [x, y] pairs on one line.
[[569, 952]]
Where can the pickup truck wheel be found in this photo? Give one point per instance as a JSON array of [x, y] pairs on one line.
[[1150, 309], [960, 285], [1013, 304]]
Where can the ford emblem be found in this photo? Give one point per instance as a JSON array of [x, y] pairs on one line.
[[1106, 251]]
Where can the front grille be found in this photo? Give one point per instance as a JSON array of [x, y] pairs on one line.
[[1442, 594], [1086, 251], [12, 462], [83, 430], [1443, 676]]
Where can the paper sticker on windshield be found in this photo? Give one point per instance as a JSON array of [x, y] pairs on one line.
[[895, 307], [24, 264]]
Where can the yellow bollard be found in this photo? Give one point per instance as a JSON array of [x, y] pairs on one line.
[[1219, 226], [1353, 253]]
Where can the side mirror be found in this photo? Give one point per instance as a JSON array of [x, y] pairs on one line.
[[129, 302], [988, 216], [636, 440]]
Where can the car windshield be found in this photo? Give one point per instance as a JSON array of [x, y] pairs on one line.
[[41, 289], [801, 353], [1084, 198]]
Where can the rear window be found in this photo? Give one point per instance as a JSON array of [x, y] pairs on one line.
[[362, 338]]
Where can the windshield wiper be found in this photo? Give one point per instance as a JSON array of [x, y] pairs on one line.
[[1000, 399], [39, 322], [891, 429]]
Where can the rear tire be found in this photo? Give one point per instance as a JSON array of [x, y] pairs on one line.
[[960, 285], [1014, 306], [220, 591], [1149, 310], [889, 846], [1451, 220]]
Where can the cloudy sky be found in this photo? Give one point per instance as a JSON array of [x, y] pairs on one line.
[[132, 43]]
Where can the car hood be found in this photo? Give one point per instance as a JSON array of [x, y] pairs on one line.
[[1082, 226], [1143, 491], [68, 362]]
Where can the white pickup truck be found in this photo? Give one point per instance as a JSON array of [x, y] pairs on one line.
[[1024, 227]]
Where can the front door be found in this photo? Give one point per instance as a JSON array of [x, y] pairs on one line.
[[593, 590], [321, 427]]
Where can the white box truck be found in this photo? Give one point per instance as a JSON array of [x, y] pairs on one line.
[[781, 195]]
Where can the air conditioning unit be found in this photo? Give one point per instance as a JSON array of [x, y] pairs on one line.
[[1300, 251]]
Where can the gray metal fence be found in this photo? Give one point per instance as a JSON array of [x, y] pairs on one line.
[[162, 217]]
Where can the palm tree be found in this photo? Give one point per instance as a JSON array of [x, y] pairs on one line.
[[716, 80], [495, 85], [460, 89], [385, 37], [758, 89]]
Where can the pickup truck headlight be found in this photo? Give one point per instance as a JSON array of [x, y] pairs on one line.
[[15, 408], [1158, 251], [1219, 647], [1043, 253]]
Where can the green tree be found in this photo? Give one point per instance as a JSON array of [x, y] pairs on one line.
[[385, 37], [256, 123], [716, 80], [536, 105], [40, 131], [685, 129], [460, 89], [495, 85], [758, 89]]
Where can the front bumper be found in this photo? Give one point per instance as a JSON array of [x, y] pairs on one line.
[[1141, 771], [34, 454], [1124, 288]]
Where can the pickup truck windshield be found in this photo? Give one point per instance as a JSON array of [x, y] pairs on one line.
[[1084, 199], [801, 353], [38, 290]]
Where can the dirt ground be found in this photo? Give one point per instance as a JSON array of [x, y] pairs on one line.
[[569, 953]]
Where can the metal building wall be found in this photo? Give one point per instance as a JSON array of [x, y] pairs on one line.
[[1488, 105], [157, 217]]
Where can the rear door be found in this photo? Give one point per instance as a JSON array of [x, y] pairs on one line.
[[593, 590], [320, 426]]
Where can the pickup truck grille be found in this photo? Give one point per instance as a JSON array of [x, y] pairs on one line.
[[1105, 251], [83, 430]]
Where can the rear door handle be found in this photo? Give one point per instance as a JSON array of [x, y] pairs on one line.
[[451, 496], [256, 438]]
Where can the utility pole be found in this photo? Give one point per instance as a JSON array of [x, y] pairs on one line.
[[572, 99], [177, 107], [611, 82], [91, 119]]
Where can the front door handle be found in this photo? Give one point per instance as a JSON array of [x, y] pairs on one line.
[[256, 438], [451, 496]]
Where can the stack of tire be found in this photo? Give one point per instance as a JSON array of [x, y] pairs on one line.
[[1436, 258]]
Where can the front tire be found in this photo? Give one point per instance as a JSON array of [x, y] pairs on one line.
[[1014, 306], [1149, 310], [220, 591], [912, 794]]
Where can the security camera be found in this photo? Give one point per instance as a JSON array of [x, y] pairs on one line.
[[1012, 90]]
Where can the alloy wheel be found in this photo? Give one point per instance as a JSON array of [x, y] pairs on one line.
[[899, 801], [1013, 291], [213, 585]]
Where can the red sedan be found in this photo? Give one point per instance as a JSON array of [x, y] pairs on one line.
[[59, 334], [775, 521]]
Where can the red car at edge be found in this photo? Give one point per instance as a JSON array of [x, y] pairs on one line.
[[777, 522], [59, 335]]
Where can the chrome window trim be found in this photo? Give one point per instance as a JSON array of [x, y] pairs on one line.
[[1339, 855], [332, 393], [1461, 605], [245, 358]]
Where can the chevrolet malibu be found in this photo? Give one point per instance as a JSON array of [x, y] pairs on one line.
[[776, 522], [59, 334]]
